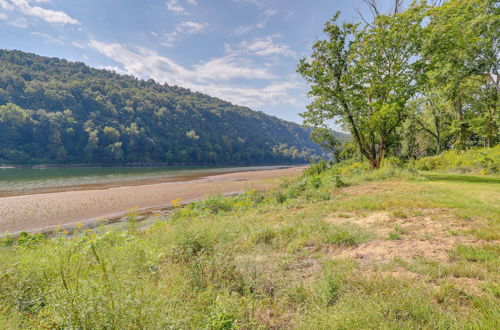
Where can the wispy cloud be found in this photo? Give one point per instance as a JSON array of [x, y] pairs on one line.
[[175, 6], [78, 45], [184, 29], [27, 8], [4, 4], [264, 18], [266, 46], [178, 8], [112, 68], [19, 22], [48, 15], [49, 38], [215, 77]]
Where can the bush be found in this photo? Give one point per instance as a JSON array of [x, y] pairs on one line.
[[213, 204], [317, 168], [483, 160]]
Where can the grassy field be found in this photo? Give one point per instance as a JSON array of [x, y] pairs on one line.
[[338, 248]]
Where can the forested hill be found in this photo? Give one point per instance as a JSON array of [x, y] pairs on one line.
[[56, 111]]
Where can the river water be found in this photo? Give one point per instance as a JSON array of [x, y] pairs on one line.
[[22, 181]]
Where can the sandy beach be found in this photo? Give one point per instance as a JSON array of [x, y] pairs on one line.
[[39, 212]]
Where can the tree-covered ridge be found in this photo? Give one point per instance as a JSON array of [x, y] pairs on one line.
[[56, 111]]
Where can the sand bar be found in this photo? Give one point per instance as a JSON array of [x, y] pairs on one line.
[[39, 212]]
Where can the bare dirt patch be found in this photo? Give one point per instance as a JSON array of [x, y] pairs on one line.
[[279, 265], [430, 235], [366, 188]]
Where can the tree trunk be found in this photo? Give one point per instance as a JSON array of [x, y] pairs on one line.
[[490, 141], [462, 131], [374, 163]]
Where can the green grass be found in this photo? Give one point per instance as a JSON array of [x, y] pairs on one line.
[[278, 259], [462, 178]]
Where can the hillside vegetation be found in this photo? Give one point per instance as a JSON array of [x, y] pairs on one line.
[[481, 160], [340, 247], [56, 111]]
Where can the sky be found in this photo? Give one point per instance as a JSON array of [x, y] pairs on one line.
[[242, 51]]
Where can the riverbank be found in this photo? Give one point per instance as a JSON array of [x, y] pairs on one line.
[[40, 212], [344, 247]]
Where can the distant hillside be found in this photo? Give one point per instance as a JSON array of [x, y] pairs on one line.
[[56, 111]]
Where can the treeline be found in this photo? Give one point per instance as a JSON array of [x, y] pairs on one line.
[[55, 111], [412, 82]]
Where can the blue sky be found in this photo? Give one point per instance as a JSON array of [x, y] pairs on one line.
[[243, 51]]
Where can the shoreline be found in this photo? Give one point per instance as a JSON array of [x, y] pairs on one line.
[[46, 211], [140, 182], [221, 165]]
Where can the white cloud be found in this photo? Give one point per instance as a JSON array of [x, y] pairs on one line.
[[79, 45], [266, 47], [27, 8], [211, 77], [19, 22], [175, 6], [183, 29], [112, 68], [264, 18], [241, 30], [49, 38], [191, 27], [4, 4], [230, 67], [3, 16]]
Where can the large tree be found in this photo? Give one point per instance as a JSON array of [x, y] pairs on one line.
[[461, 45], [363, 77]]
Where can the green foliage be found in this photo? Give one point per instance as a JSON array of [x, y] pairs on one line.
[[328, 140], [363, 77], [213, 205], [345, 235], [410, 83], [317, 168], [482, 160], [25, 239], [219, 318], [55, 111]]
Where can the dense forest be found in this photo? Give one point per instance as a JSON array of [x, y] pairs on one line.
[[56, 111], [411, 82]]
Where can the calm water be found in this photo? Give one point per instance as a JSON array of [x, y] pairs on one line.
[[18, 181]]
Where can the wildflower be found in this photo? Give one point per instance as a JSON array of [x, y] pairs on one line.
[[176, 202]]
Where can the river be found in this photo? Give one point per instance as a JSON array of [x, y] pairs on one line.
[[22, 181]]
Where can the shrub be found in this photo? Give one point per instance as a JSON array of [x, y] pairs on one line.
[[473, 160], [213, 204], [315, 181], [337, 182], [27, 240], [317, 168]]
